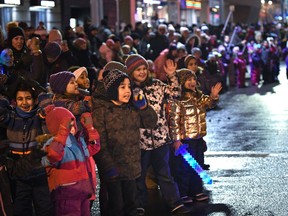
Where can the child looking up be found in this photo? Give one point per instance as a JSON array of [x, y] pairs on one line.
[[188, 125]]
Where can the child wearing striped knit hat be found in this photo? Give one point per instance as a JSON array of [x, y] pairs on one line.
[[155, 143]]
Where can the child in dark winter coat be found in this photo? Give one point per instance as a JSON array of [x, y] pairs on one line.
[[154, 143], [118, 119], [23, 126], [69, 163], [188, 125]]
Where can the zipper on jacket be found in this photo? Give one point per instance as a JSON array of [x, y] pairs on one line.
[[23, 138]]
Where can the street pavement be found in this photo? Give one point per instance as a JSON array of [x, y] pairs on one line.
[[247, 149], [247, 153]]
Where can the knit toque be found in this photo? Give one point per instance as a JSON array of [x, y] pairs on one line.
[[14, 32], [133, 62], [112, 80], [112, 65], [59, 81], [183, 74], [77, 73]]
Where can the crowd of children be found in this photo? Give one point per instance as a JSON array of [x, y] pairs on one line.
[[67, 106]]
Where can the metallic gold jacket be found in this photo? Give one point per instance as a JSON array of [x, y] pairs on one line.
[[187, 117]]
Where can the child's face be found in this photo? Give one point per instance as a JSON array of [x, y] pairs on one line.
[[190, 83], [83, 81], [197, 54], [24, 101], [140, 74], [124, 91], [72, 87], [73, 128], [192, 65]]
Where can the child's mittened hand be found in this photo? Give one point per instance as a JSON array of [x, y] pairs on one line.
[[86, 120], [64, 130], [140, 101]]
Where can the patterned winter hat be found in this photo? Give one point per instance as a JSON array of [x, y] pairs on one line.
[[54, 116], [59, 81], [134, 61], [111, 81], [183, 74], [112, 65]]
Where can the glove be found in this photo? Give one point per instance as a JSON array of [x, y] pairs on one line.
[[64, 130], [140, 101], [87, 124]]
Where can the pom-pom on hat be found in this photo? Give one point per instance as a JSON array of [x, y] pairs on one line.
[[59, 81], [77, 73], [133, 62], [112, 65], [54, 116], [52, 50], [183, 74], [112, 80]]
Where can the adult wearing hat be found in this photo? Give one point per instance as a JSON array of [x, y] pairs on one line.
[[27, 62]]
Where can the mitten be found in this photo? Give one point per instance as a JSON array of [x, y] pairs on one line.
[[64, 130], [139, 100], [87, 124]]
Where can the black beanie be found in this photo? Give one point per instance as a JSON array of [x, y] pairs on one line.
[[13, 32], [112, 80]]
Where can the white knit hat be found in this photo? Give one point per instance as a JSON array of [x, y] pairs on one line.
[[79, 71]]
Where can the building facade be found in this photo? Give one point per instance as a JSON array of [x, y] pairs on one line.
[[63, 13]]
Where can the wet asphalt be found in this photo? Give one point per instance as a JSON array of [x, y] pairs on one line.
[[247, 153]]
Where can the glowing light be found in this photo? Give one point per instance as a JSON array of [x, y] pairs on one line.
[[193, 163]]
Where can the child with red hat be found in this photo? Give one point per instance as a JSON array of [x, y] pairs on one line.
[[69, 164]]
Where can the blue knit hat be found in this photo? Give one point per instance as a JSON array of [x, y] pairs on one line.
[[59, 81]]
